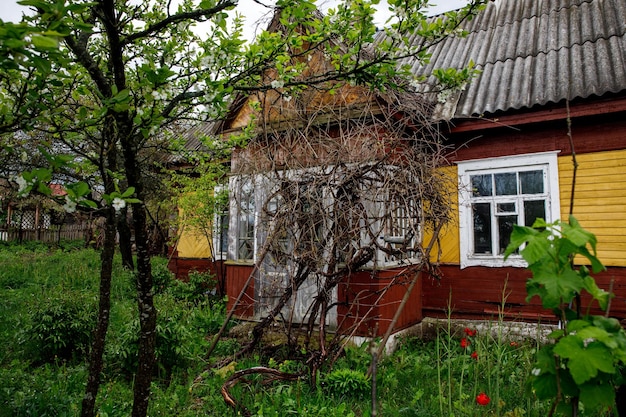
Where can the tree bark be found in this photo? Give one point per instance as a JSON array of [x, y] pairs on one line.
[[145, 299], [106, 272], [126, 247], [104, 308]]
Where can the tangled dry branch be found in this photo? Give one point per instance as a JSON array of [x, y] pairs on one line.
[[340, 186]]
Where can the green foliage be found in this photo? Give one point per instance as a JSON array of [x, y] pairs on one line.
[[347, 382], [48, 390], [179, 340], [550, 250], [162, 277], [582, 364], [407, 380], [197, 289], [60, 326]]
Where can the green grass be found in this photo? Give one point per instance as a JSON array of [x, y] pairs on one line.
[[422, 378]]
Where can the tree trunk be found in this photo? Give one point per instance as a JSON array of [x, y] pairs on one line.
[[145, 301], [106, 272], [147, 317], [126, 247], [99, 337]]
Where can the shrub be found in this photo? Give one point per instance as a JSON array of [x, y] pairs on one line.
[[60, 326], [173, 335], [162, 277], [197, 289], [48, 390]]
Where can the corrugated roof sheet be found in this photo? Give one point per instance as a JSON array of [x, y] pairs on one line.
[[191, 138], [532, 52]]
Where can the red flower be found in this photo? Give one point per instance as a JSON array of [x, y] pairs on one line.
[[470, 332], [474, 355], [514, 344], [482, 399], [465, 343]]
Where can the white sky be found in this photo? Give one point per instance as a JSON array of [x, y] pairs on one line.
[[11, 11]]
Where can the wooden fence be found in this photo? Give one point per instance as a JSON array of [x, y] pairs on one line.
[[54, 233]]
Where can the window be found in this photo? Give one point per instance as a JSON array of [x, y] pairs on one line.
[[401, 232], [299, 207], [243, 219], [495, 194], [220, 223]]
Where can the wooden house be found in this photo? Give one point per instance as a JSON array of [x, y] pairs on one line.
[[552, 74], [551, 71]]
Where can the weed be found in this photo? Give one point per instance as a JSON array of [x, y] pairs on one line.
[[347, 382], [60, 326]]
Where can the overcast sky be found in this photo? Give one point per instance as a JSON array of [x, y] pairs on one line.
[[11, 11]]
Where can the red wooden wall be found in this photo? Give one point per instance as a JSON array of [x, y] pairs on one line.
[[478, 293], [376, 296], [236, 278]]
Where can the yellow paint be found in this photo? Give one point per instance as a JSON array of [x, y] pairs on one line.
[[447, 250], [599, 200], [192, 242]]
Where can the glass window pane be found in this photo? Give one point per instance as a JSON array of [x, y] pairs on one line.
[[534, 210], [223, 233], [506, 183], [482, 227], [481, 185], [505, 228], [245, 249], [531, 182], [506, 208]]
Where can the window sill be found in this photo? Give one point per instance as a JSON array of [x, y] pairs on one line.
[[240, 262], [494, 262]]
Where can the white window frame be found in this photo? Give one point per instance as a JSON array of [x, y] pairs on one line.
[[222, 254], [401, 221], [238, 185], [546, 161]]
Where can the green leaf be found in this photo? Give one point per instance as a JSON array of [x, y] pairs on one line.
[[44, 42], [545, 386], [88, 203], [129, 191], [546, 360], [537, 243], [584, 362], [554, 286], [609, 324], [596, 395], [596, 292], [577, 235], [596, 265]]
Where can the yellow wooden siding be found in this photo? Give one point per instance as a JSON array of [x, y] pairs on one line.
[[192, 243], [449, 244], [599, 200]]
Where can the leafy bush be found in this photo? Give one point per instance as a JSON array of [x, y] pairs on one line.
[[196, 290], [60, 326], [208, 318], [582, 364], [162, 277], [348, 382], [173, 336]]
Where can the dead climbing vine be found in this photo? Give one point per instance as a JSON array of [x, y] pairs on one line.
[[341, 183]]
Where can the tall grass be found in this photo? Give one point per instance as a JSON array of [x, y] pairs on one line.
[[427, 378]]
